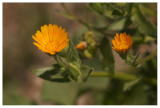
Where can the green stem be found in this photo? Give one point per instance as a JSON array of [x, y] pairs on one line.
[[68, 12], [148, 57], [83, 22], [118, 75], [123, 76]]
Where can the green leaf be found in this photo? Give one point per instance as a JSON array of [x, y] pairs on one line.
[[117, 25], [59, 93], [130, 84], [107, 54], [108, 9], [99, 83], [55, 74], [144, 25], [95, 62], [117, 9], [137, 95], [120, 24], [148, 11], [148, 39], [85, 70], [15, 99], [12, 94], [117, 12], [96, 7], [148, 57], [114, 94], [129, 7], [111, 9]]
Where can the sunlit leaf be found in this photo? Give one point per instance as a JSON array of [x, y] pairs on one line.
[[117, 25], [54, 73], [117, 12]]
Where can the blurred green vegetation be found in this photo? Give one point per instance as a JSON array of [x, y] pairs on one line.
[[130, 86]]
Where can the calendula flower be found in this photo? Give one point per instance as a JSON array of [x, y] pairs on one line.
[[81, 46], [51, 39], [122, 42]]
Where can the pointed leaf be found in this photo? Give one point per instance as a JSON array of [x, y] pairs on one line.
[[144, 25], [54, 73], [107, 54], [117, 25]]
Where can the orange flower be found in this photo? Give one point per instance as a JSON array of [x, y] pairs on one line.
[[51, 39], [122, 42], [81, 45]]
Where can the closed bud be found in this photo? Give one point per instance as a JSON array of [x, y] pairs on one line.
[[82, 45]]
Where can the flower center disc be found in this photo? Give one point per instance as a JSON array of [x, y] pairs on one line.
[[124, 46], [51, 46]]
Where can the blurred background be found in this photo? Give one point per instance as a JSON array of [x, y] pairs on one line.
[[20, 57]]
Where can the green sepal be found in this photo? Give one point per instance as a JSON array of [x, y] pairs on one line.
[[74, 71], [132, 60], [68, 58]]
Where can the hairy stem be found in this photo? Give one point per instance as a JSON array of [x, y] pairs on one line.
[[148, 57], [123, 76], [59, 61]]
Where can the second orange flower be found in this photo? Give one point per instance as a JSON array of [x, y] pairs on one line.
[[122, 43]]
